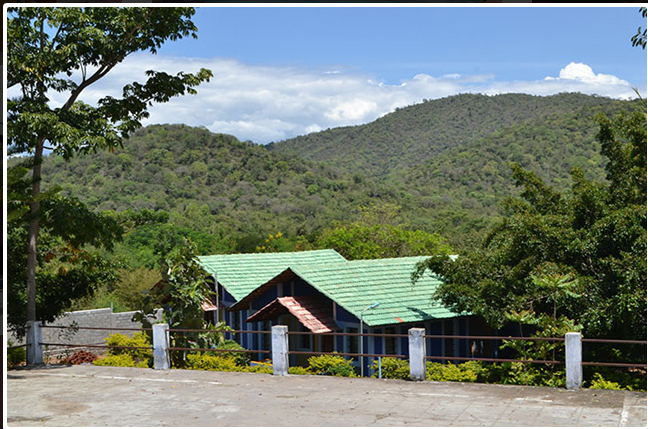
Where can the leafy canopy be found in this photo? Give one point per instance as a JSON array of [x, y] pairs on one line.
[[66, 50], [577, 256]]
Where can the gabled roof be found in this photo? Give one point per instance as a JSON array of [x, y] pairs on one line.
[[241, 273], [355, 285], [312, 312]]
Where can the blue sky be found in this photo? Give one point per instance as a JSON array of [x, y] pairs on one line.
[[392, 43], [287, 71]]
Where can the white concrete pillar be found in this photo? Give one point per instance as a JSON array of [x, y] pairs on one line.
[[280, 350], [161, 346], [417, 354], [573, 360], [34, 340]]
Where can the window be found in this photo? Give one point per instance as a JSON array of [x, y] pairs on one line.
[[390, 342], [305, 342], [351, 344]]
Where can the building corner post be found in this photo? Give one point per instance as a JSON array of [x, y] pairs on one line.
[[573, 360], [417, 354], [280, 350], [34, 340], [161, 346]]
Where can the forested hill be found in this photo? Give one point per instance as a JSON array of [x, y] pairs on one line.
[[415, 135], [213, 183], [444, 163]]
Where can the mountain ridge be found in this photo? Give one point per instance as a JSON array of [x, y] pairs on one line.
[[215, 183]]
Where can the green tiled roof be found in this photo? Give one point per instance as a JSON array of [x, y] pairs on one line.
[[240, 274], [355, 285]]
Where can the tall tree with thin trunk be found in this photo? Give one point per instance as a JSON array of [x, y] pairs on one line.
[[65, 51]]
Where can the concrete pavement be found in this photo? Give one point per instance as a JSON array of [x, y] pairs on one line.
[[106, 396]]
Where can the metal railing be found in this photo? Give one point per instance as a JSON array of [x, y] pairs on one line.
[[615, 364], [92, 328], [161, 346]]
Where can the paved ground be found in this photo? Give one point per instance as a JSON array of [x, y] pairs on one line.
[[104, 396]]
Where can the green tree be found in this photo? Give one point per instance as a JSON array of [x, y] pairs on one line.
[[69, 265], [639, 39], [184, 287], [360, 241], [578, 255], [45, 47]]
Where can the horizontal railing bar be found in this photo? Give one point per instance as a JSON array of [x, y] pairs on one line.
[[343, 354], [477, 337], [17, 347], [213, 330], [104, 346], [96, 328], [595, 340], [490, 337], [449, 358], [349, 334], [618, 364], [189, 349]]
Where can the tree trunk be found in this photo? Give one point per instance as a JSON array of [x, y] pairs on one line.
[[32, 238]]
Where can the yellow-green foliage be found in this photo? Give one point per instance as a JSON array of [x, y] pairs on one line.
[[392, 368], [598, 382], [470, 371], [261, 369], [139, 339], [331, 365], [212, 363], [141, 358], [298, 370], [120, 360]]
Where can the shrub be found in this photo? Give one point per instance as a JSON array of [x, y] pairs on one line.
[[140, 357], [298, 370], [626, 379], [241, 358], [392, 368], [598, 382], [15, 356], [469, 372], [331, 365], [520, 373], [261, 369], [208, 362], [120, 360]]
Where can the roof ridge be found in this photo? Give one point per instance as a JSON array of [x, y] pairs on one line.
[[271, 254]]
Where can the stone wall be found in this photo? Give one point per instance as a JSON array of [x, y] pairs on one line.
[[100, 318]]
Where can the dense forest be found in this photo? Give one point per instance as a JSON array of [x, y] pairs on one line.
[[442, 165], [428, 178]]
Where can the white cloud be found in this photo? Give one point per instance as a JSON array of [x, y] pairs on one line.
[[263, 104], [583, 73]]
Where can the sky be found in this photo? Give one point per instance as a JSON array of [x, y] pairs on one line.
[[280, 72]]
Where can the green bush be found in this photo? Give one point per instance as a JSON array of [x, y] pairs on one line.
[[139, 339], [598, 382], [241, 358], [528, 374], [392, 368], [331, 365], [468, 372], [15, 356], [209, 362], [626, 379], [298, 370], [261, 369], [120, 360]]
